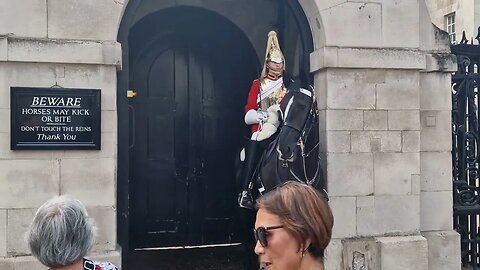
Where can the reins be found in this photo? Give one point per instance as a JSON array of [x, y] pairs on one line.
[[302, 141]]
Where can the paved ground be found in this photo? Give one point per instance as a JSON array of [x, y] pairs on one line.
[[224, 258]]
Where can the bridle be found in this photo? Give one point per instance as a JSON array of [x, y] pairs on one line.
[[301, 144]]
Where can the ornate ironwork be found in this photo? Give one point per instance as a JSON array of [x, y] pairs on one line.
[[465, 150]]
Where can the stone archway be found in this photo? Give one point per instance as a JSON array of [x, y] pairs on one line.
[[286, 17]]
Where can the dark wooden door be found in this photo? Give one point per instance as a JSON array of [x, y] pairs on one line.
[[183, 138]]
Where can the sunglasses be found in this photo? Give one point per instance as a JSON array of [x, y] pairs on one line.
[[261, 234]]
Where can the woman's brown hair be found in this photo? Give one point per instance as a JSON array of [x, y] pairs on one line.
[[304, 212]]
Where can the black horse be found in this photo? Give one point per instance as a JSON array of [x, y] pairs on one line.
[[293, 155]]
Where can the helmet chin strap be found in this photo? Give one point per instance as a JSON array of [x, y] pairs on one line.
[[277, 74]]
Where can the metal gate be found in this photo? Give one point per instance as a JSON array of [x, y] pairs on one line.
[[465, 150]]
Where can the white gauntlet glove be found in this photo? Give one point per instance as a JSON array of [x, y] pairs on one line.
[[255, 117]]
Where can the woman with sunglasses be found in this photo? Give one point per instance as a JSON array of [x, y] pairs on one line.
[[293, 228]]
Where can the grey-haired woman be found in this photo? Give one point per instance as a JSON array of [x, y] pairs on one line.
[[62, 234]]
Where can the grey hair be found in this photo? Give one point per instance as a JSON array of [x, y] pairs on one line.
[[61, 232]]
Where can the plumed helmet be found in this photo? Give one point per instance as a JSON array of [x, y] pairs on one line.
[[273, 52]]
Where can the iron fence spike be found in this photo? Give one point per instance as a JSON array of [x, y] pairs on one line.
[[478, 35], [464, 38]]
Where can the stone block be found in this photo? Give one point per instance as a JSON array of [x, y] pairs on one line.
[[393, 172], [350, 174], [338, 141], [443, 250], [375, 76], [411, 141], [333, 255], [6, 153], [27, 183], [403, 252], [87, 19], [27, 263], [97, 77], [4, 86], [322, 4], [109, 121], [105, 221], [344, 119], [431, 121], [3, 48], [21, 74], [376, 141], [377, 60], [79, 177], [3, 233], [436, 171], [375, 120], [403, 17], [24, 18], [436, 211], [112, 54], [344, 211], [355, 21], [435, 91], [415, 184], [435, 135], [321, 89], [400, 91], [322, 141], [349, 89], [76, 76], [18, 223], [64, 51], [388, 215], [322, 119], [404, 120], [6, 263], [443, 62], [318, 30], [4, 120], [108, 148], [322, 58], [384, 58], [360, 253]]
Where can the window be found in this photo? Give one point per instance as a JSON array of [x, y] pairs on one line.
[[450, 27]]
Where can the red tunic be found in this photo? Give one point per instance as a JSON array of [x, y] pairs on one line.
[[253, 97], [252, 100]]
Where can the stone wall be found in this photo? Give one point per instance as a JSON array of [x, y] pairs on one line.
[[71, 43], [385, 108]]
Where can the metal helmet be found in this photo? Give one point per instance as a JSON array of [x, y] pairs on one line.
[[273, 52]]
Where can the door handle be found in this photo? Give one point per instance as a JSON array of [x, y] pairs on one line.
[[131, 111]]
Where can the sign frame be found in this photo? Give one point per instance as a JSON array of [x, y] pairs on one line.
[[18, 95]]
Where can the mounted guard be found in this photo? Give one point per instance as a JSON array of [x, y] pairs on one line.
[[262, 112]]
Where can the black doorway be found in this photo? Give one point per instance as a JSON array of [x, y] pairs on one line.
[[191, 70], [222, 45]]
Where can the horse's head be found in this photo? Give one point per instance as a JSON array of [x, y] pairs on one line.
[[296, 107]]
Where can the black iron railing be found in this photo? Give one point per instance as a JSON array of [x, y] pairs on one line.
[[465, 150]]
